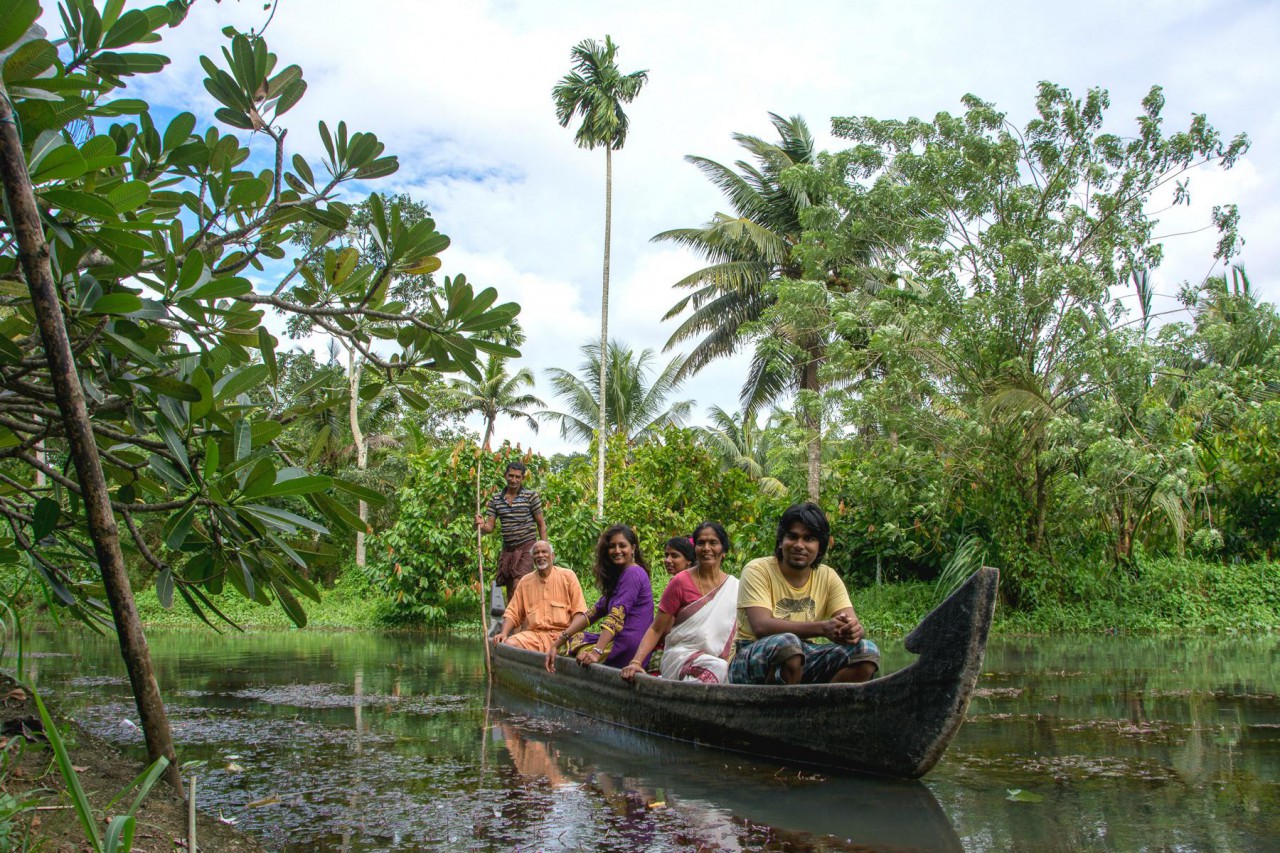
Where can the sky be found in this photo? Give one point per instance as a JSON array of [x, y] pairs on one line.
[[462, 93]]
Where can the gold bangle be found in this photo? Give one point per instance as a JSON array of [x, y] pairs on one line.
[[637, 663]]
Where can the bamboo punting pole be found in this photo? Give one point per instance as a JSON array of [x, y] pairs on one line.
[[484, 607]]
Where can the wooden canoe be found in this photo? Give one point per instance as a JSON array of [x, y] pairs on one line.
[[898, 725]]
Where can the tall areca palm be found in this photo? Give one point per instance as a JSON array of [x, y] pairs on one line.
[[749, 252], [498, 393], [596, 90], [636, 405]]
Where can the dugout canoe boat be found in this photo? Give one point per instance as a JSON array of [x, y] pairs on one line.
[[898, 725]]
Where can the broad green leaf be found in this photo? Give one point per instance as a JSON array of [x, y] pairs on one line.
[[233, 117], [131, 27], [9, 351], [211, 460], [179, 131], [289, 97], [117, 303], [369, 496], [244, 440], [223, 288], [164, 587], [415, 402], [16, 17], [201, 382], [44, 518], [176, 530], [173, 441], [165, 470], [267, 346], [129, 196], [234, 384], [127, 64], [78, 202], [122, 107], [259, 478], [297, 486], [170, 387], [283, 520], [425, 266], [29, 61], [290, 604], [303, 169], [339, 514], [265, 431]]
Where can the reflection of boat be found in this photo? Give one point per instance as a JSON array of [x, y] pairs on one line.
[[721, 797], [898, 725]]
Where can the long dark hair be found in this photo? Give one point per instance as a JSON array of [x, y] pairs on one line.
[[606, 573], [812, 517]]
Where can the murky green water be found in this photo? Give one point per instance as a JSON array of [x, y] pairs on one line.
[[370, 742]]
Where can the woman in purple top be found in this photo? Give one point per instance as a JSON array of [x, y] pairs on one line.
[[625, 610]]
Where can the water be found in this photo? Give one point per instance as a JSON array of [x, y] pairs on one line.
[[394, 742]]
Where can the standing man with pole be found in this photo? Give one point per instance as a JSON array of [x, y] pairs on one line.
[[520, 511]]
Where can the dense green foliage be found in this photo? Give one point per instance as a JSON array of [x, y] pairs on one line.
[[981, 390], [426, 562]]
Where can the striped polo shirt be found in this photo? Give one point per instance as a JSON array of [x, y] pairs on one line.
[[516, 517]]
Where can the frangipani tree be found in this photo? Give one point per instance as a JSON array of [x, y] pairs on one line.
[[133, 350]]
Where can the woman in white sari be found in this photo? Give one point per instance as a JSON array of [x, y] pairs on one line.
[[698, 616]]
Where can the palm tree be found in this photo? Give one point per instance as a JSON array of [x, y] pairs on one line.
[[497, 393], [739, 443], [636, 405], [596, 90], [749, 251]]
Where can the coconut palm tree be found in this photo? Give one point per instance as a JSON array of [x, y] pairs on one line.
[[498, 393], [636, 405], [740, 444], [596, 90], [749, 251]]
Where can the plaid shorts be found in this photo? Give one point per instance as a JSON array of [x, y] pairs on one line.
[[759, 661]]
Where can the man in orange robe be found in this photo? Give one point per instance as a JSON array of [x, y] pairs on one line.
[[545, 601]]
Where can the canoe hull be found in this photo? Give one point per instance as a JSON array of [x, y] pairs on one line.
[[897, 726]]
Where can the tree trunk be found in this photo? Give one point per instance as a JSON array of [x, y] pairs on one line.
[[812, 415], [362, 447], [602, 437], [33, 254]]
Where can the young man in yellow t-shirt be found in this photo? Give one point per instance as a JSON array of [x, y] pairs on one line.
[[790, 599]]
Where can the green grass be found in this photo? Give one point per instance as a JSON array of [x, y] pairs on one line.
[[1159, 596], [351, 603]]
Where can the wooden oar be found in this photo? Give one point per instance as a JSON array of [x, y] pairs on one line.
[[484, 612]]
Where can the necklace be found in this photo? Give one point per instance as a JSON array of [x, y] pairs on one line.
[[705, 586]]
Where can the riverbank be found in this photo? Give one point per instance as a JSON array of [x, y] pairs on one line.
[[1165, 596], [48, 822]]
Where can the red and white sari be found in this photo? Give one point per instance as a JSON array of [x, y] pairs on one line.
[[700, 642]]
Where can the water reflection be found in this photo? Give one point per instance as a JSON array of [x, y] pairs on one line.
[[362, 742], [719, 801]]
